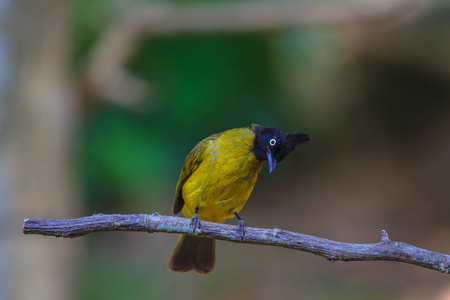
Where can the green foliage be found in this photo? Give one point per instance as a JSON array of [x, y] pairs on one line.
[[209, 84], [122, 156]]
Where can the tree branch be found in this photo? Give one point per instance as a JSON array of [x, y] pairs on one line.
[[385, 250]]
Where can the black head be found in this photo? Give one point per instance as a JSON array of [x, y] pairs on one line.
[[272, 145]]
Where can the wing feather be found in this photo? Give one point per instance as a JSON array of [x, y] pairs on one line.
[[193, 160]]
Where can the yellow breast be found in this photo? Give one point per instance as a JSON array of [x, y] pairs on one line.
[[225, 178]]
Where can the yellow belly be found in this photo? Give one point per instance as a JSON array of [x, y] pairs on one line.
[[225, 179]]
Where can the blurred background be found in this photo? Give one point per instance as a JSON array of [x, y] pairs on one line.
[[100, 102]]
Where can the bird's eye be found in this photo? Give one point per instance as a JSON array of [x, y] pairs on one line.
[[272, 142]]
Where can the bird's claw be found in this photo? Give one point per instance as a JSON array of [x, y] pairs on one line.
[[195, 222], [241, 229]]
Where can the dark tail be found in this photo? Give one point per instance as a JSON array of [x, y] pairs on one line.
[[193, 253]]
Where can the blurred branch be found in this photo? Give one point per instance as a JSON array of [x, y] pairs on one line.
[[108, 79], [386, 250]]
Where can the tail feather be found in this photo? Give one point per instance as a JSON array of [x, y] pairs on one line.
[[193, 253]]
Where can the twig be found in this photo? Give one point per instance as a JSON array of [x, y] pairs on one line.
[[386, 250]]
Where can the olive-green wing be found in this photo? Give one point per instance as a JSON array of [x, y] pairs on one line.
[[193, 160]]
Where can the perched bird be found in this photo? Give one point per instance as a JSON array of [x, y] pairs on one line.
[[217, 178]]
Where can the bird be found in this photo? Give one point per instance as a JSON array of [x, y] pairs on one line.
[[216, 181]]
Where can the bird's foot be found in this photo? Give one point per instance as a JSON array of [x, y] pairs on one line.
[[241, 228], [195, 222]]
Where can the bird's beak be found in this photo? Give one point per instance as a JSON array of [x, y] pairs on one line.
[[272, 162]]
